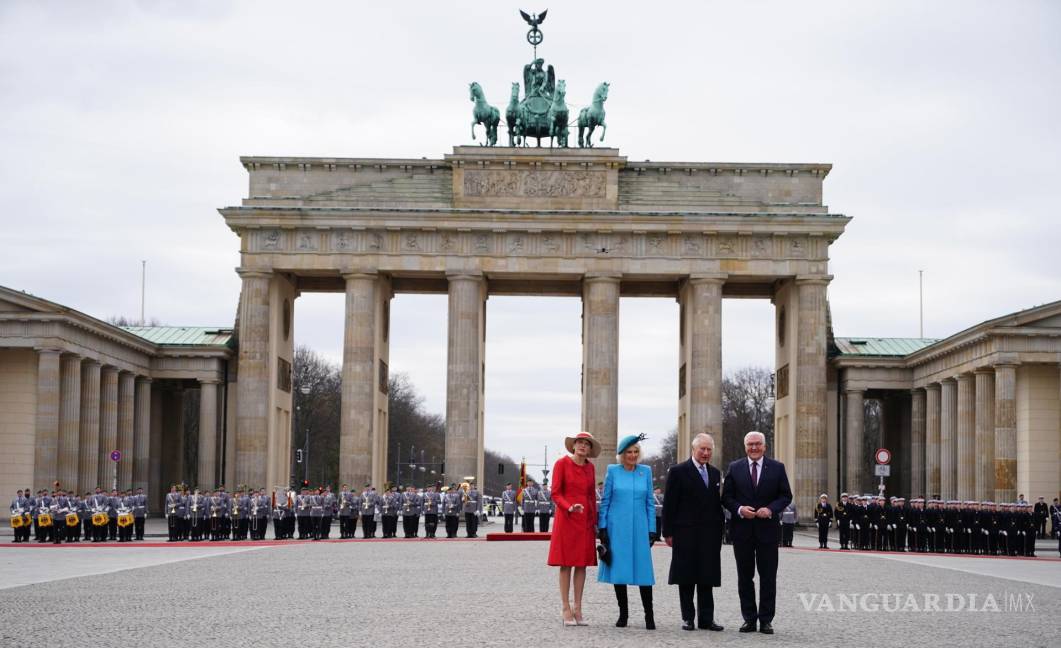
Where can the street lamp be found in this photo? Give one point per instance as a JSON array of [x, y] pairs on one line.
[[305, 389]]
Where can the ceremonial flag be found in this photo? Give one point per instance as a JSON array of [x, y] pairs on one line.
[[522, 481]]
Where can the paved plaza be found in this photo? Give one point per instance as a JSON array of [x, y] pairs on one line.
[[478, 593]]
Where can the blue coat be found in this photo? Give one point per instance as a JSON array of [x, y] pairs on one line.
[[628, 512]]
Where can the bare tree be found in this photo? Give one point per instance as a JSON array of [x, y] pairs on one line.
[[747, 404]]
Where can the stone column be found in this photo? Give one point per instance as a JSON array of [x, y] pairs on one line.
[[46, 450], [966, 464], [948, 439], [108, 426], [811, 470], [854, 426], [142, 447], [206, 475], [126, 409], [69, 420], [917, 442], [155, 485], [1005, 433], [252, 404], [600, 364], [703, 331], [464, 376], [932, 438], [88, 455], [985, 435], [357, 422]]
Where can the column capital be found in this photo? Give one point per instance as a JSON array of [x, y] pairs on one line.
[[92, 361], [604, 277], [464, 275], [917, 391], [854, 390], [47, 350], [1005, 365], [250, 273], [713, 278], [209, 381], [949, 379], [144, 380], [932, 386], [359, 274], [980, 371], [819, 280], [110, 369]]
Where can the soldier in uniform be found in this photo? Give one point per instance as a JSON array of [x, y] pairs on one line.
[[389, 511], [411, 505], [113, 502], [1041, 512], [20, 506], [196, 515], [328, 506], [823, 515], [430, 505], [530, 505], [316, 513], [58, 512], [453, 502], [139, 513], [125, 502], [788, 524], [368, 503], [73, 505], [283, 515], [173, 518], [345, 503], [240, 514], [855, 513], [1055, 523], [508, 506], [1031, 528], [842, 513], [473, 508], [302, 511], [545, 507]]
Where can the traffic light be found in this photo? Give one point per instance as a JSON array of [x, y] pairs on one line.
[[501, 469], [298, 455], [305, 483]]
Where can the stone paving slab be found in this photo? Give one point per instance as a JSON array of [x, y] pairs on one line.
[[474, 593]]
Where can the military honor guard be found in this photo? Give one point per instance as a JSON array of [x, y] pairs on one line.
[[529, 505], [316, 514], [453, 504], [1039, 514], [239, 514], [788, 525], [368, 504], [260, 507], [823, 517], [545, 507], [411, 505], [843, 521], [389, 508], [431, 504], [508, 506], [21, 519], [1055, 522], [473, 508], [283, 505], [327, 499], [657, 501]]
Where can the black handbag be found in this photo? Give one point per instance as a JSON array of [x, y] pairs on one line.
[[604, 554]]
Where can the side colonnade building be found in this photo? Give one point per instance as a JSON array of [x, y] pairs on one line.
[[73, 389], [975, 416]]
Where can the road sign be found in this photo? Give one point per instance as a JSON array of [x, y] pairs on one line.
[[883, 456], [116, 456], [882, 470]]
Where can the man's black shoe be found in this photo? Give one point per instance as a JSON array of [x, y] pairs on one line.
[[766, 628], [749, 626], [688, 625], [711, 626]]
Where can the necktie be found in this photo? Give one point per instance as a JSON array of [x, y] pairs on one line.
[[703, 476], [755, 474]]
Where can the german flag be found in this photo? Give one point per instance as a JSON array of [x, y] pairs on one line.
[[522, 481]]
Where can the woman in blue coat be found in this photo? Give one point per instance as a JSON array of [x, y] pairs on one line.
[[627, 522]]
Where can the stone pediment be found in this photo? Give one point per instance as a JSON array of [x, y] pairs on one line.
[[13, 301], [1047, 316]]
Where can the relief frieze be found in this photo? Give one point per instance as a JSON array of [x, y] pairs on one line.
[[504, 183]]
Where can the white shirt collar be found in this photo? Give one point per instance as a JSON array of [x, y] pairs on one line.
[[699, 465], [758, 461]]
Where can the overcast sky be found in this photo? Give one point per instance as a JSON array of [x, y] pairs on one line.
[[122, 122]]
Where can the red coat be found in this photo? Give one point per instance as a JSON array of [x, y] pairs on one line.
[[574, 534]]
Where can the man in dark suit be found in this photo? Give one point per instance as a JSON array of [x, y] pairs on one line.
[[756, 490], [692, 527]]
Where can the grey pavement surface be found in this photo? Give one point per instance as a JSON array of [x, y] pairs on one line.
[[477, 593]]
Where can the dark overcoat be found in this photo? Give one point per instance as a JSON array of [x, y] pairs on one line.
[[692, 517]]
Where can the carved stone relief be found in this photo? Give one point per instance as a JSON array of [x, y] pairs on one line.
[[534, 183]]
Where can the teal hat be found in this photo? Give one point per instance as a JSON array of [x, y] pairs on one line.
[[628, 441]]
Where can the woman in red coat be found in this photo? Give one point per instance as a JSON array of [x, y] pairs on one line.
[[572, 545]]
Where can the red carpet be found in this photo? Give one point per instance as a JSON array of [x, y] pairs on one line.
[[518, 536]]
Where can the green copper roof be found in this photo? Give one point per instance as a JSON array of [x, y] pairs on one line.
[[867, 346], [182, 335]]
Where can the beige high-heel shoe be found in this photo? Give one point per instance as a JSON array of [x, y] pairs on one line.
[[572, 622]]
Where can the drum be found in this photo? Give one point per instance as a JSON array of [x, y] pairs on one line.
[[16, 521], [44, 519], [125, 519], [100, 518], [72, 520]]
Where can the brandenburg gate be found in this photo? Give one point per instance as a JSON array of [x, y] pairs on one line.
[[483, 221]]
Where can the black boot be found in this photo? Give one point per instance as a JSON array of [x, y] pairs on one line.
[[646, 602], [624, 605]]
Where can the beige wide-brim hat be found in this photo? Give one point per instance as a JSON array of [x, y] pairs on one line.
[[594, 445]]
